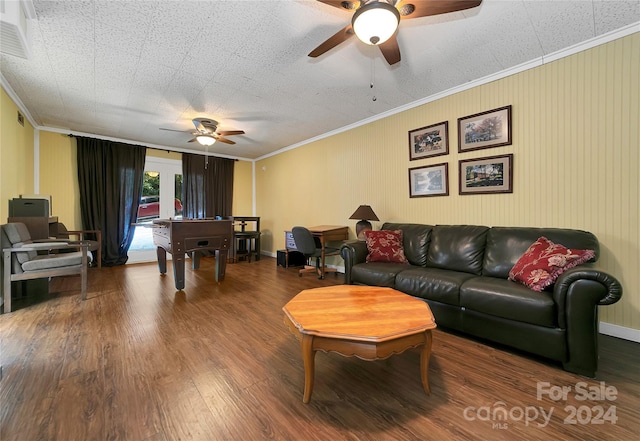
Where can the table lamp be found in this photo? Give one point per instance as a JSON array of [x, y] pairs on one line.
[[365, 214]]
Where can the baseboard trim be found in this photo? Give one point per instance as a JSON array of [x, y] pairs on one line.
[[620, 332]]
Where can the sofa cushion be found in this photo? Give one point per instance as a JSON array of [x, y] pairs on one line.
[[457, 248], [415, 239], [509, 300], [385, 246], [432, 284], [505, 245], [376, 273], [544, 261]]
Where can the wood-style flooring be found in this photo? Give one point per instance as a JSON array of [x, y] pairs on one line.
[[139, 361]]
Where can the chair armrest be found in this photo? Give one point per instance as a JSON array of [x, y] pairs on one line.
[[81, 234], [40, 246], [98, 242]]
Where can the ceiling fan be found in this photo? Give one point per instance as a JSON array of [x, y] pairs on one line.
[[375, 22], [207, 133]]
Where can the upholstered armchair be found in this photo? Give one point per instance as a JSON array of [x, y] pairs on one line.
[[25, 259]]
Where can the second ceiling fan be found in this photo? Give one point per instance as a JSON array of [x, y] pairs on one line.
[[375, 22], [207, 133]]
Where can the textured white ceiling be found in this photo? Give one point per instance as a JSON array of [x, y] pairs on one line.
[[124, 69]]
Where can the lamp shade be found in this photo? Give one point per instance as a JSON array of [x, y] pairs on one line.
[[206, 139], [375, 22], [364, 212]]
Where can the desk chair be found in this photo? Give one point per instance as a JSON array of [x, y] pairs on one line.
[[310, 246], [22, 261]]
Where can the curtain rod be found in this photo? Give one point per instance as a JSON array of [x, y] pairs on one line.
[[71, 135]]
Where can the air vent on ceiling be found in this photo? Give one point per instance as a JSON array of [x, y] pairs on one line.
[[15, 32]]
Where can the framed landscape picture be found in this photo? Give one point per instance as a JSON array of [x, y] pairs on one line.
[[429, 141], [493, 174], [485, 130], [431, 180]]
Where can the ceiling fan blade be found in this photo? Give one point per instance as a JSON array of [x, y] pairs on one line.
[[230, 132], [350, 6], [193, 140], [332, 41], [420, 8], [181, 131], [390, 50], [225, 140]]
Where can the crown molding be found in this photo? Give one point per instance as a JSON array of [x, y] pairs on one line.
[[537, 62]]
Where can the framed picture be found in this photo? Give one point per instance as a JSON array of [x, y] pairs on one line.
[[429, 141], [432, 180], [485, 130], [493, 174]]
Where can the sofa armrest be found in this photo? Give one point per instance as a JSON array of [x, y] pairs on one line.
[[352, 252], [577, 294], [605, 289]]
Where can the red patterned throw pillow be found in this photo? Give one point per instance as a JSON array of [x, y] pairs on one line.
[[385, 246], [543, 263]]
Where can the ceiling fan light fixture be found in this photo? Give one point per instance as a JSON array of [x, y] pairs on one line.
[[375, 22], [206, 140]]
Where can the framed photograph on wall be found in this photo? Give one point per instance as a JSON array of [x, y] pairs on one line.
[[429, 141], [493, 174], [430, 180], [485, 130]]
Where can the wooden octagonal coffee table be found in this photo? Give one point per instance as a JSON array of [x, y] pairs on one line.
[[368, 322]]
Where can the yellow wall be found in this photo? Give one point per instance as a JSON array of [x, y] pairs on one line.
[[242, 189], [576, 161], [16, 155], [59, 178]]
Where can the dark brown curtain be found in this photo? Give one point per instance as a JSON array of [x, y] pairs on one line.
[[110, 175], [207, 186]]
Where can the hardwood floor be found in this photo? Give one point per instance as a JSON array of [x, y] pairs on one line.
[[140, 361]]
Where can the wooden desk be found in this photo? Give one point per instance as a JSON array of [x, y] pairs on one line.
[[191, 236], [328, 233]]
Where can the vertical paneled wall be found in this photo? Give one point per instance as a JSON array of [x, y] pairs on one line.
[[575, 144]]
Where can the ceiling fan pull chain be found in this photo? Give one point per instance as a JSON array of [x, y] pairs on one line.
[[373, 79]]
